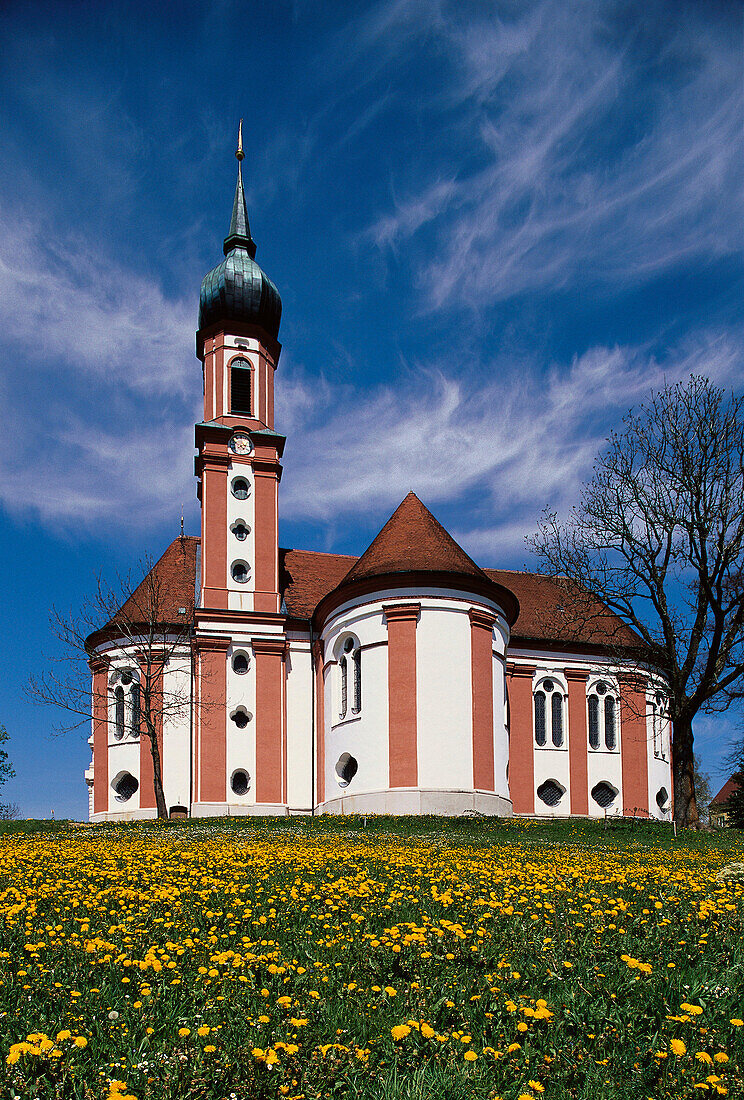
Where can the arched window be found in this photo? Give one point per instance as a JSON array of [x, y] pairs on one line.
[[593, 722], [609, 717], [659, 718], [136, 709], [540, 718], [350, 667], [118, 713], [240, 387], [602, 714], [548, 700]]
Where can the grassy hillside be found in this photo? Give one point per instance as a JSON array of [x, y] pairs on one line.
[[378, 957]]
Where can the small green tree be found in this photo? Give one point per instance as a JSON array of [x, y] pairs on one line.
[[6, 768]]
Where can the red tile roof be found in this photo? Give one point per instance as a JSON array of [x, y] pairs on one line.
[[413, 541], [306, 576], [550, 611], [726, 791], [165, 589]]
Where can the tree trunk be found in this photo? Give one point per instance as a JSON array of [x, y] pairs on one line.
[[685, 803], [157, 778]]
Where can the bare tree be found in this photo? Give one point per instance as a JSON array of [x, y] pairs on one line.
[[658, 538], [139, 628]]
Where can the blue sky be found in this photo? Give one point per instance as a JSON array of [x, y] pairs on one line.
[[494, 227]]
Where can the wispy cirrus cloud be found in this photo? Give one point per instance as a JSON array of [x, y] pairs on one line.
[[589, 153], [516, 444]]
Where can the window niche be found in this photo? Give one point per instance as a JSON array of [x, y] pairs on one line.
[[549, 713], [602, 711], [350, 678]]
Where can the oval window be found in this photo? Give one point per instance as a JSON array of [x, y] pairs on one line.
[[240, 531], [240, 488], [240, 664], [346, 769], [240, 572], [240, 782]]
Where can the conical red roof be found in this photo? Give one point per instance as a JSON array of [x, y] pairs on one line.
[[413, 541]]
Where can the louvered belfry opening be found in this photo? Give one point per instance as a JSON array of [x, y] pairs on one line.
[[240, 389]]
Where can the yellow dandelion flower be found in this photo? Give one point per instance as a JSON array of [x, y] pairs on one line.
[[400, 1031], [470, 1056], [678, 1047]]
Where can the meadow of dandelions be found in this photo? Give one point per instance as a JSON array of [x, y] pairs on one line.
[[519, 961]]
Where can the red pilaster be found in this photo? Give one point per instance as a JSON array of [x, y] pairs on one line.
[[481, 662], [100, 736], [521, 739], [633, 744], [402, 715], [212, 661], [214, 524], [578, 740], [269, 721], [319, 721], [147, 777]]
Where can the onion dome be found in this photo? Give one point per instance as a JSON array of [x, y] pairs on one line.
[[237, 289]]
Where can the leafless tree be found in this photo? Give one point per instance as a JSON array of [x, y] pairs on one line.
[[145, 626], [658, 538]]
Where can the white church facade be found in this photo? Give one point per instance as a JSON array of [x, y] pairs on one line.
[[407, 681]]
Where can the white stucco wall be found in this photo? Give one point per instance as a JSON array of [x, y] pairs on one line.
[[299, 725], [443, 711]]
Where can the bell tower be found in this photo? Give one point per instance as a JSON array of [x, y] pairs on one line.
[[239, 749], [238, 456]]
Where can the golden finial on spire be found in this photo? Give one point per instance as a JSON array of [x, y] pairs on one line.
[[239, 151]]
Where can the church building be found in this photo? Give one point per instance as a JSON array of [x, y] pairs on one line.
[[410, 680]]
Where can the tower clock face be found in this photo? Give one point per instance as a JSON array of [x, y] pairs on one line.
[[240, 443]]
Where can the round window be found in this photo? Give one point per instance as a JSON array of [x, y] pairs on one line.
[[240, 664], [240, 572], [126, 677], [548, 685], [240, 488], [240, 782]]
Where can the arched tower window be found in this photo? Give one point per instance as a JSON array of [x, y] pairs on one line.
[[118, 713], [548, 707], [240, 387], [350, 677], [602, 710]]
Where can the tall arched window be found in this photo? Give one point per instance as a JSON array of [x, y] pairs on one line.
[[350, 667], [659, 718], [540, 736], [548, 704], [344, 667], [118, 713], [240, 387], [602, 714], [136, 709]]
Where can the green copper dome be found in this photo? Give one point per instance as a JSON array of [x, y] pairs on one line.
[[237, 289]]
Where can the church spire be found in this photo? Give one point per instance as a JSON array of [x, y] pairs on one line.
[[240, 230]]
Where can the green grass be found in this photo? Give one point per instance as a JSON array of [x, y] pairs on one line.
[[456, 931]]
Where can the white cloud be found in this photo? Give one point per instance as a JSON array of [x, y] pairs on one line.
[[501, 450], [604, 158], [61, 299]]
